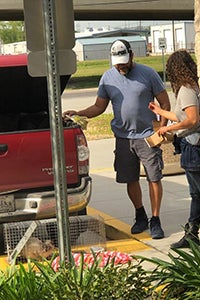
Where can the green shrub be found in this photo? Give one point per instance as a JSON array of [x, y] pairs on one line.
[[178, 279], [40, 281]]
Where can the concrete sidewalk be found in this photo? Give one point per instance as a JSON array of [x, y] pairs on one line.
[[110, 200], [136, 245]]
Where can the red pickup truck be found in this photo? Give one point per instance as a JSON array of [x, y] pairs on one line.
[[26, 173]]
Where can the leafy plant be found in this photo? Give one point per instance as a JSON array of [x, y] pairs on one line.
[[19, 283], [39, 281], [180, 278], [177, 279]]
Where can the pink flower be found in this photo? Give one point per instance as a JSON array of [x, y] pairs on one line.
[[90, 258]]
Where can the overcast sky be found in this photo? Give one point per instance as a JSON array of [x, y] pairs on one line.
[[82, 25]]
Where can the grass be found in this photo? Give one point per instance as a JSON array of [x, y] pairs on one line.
[[91, 68], [99, 127], [89, 72]]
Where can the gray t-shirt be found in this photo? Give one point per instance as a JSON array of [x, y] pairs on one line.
[[130, 96], [186, 97]]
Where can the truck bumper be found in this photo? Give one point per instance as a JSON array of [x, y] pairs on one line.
[[42, 205]]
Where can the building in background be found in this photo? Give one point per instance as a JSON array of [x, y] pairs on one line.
[[99, 48], [14, 48], [95, 44], [177, 35]]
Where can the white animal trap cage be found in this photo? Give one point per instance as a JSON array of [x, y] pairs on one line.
[[37, 239]]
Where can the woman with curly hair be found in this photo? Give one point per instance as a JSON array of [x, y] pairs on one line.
[[181, 70]]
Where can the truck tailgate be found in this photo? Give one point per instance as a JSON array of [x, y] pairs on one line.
[[26, 159]]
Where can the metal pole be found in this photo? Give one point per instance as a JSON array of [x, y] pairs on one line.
[[57, 140], [173, 36], [163, 62]]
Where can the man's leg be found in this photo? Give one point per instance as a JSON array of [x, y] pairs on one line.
[[135, 195], [151, 159], [155, 193], [127, 166]]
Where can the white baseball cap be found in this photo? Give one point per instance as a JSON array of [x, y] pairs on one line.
[[120, 52]]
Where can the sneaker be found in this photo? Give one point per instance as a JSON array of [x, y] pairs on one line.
[[155, 228], [191, 233], [140, 225], [183, 243]]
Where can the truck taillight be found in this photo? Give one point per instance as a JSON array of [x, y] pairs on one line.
[[83, 154]]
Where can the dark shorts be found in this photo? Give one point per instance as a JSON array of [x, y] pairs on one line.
[[129, 154]]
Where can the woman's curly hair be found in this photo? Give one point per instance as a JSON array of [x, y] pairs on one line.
[[181, 70]]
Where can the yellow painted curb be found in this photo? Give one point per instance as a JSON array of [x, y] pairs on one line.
[[127, 246], [120, 226], [119, 233], [4, 263]]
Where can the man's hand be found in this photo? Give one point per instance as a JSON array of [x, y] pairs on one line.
[[68, 113]]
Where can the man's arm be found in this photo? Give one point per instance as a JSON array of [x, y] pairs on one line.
[[163, 100], [92, 111]]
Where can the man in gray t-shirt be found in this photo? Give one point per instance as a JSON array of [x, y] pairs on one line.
[[131, 87], [130, 95]]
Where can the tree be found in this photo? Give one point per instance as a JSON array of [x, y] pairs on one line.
[[12, 31]]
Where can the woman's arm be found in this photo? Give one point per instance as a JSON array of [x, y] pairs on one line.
[[170, 115], [192, 118]]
